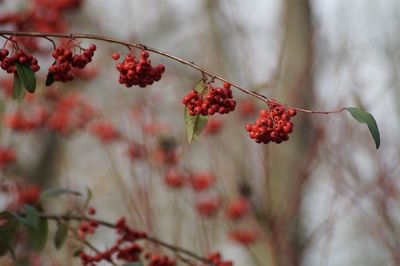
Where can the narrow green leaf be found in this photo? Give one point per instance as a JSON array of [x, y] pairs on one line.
[[61, 235], [27, 76], [49, 80], [18, 91], [30, 219], [37, 237], [55, 192], [366, 118], [133, 264], [8, 229], [195, 124]]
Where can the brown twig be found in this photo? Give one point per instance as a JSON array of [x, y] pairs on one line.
[[154, 240], [129, 45]]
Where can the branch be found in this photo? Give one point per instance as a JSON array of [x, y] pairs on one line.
[[148, 238], [130, 45]]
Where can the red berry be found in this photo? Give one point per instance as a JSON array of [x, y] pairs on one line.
[[92, 211], [115, 56], [291, 112], [92, 47]]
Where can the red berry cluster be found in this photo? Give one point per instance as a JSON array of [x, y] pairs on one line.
[[20, 57], [105, 131], [272, 125], [213, 126], [157, 260], [244, 236], [88, 227], [174, 179], [217, 260], [20, 121], [125, 248], [66, 60], [69, 113], [237, 208], [202, 181], [27, 195], [138, 72], [209, 206], [217, 100], [7, 155]]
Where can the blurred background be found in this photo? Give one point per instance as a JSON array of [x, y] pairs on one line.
[[325, 197]]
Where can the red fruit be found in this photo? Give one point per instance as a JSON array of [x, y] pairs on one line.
[[115, 56], [237, 208], [174, 179], [105, 131], [244, 236], [208, 206], [92, 47], [202, 181], [28, 195], [272, 125], [291, 112], [227, 85], [213, 126], [92, 211]]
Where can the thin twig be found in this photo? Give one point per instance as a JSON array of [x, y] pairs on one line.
[[156, 51], [148, 238]]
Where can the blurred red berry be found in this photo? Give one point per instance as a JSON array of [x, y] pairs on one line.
[[237, 208], [202, 181]]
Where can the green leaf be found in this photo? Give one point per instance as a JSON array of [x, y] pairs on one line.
[[366, 118], [30, 219], [27, 76], [49, 80], [133, 264], [37, 237], [194, 124], [61, 235], [8, 228], [18, 92], [55, 192], [36, 227]]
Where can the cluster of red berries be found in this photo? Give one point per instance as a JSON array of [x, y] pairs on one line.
[[88, 227], [20, 57], [65, 60], [158, 260], [217, 100], [209, 206], [27, 195], [237, 208], [70, 112], [217, 260], [138, 72], [22, 122], [125, 248], [174, 179], [105, 131], [7, 155], [273, 125], [202, 181], [243, 236], [213, 126]]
